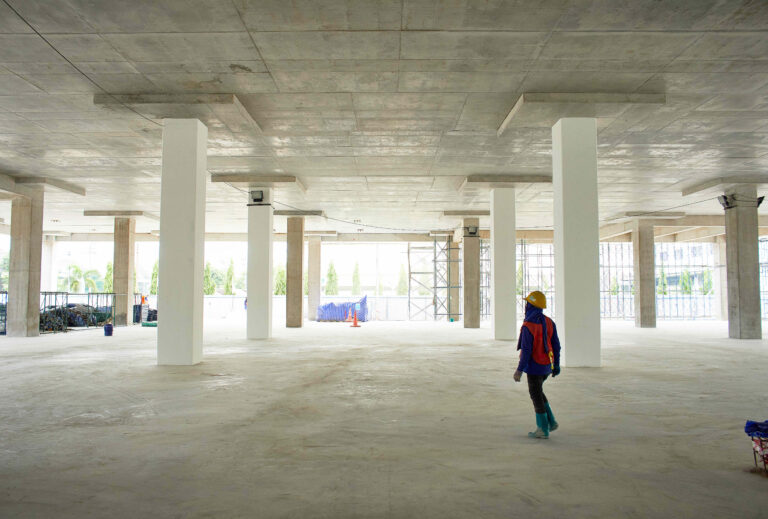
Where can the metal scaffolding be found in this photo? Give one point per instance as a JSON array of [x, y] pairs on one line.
[[421, 282], [485, 279]]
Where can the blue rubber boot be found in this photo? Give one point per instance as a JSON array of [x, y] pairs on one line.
[[553, 425], [542, 427]]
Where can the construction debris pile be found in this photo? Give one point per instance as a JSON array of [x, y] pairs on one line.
[[60, 318], [343, 311]]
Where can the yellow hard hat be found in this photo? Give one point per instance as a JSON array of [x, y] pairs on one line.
[[537, 299]]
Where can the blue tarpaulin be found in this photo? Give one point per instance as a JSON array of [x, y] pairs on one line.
[[340, 311], [756, 428]]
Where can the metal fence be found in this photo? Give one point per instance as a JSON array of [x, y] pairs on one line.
[[536, 271], [617, 299], [763, 260], [53, 312], [3, 311], [685, 280]]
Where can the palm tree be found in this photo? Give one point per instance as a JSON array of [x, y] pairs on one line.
[[90, 279], [108, 278], [74, 274]]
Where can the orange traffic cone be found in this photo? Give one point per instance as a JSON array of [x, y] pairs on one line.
[[354, 323], [349, 317]]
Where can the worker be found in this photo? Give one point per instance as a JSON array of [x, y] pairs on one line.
[[539, 357]]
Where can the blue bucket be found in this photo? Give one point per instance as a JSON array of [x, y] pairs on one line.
[[108, 330]]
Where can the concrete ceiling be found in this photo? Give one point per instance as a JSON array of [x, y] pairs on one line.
[[381, 107]]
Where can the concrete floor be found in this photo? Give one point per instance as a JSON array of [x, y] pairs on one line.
[[391, 420]]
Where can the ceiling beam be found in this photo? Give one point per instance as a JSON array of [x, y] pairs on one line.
[[503, 181], [720, 184], [544, 109], [467, 212], [298, 212], [120, 213], [54, 183], [256, 180]]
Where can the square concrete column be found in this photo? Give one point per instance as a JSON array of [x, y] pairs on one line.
[[720, 279], [503, 264], [47, 274], [454, 280], [182, 237], [577, 288], [23, 310], [314, 251], [471, 244], [123, 273], [294, 273], [741, 235], [644, 260], [260, 290]]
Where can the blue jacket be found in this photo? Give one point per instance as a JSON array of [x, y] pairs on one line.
[[525, 344]]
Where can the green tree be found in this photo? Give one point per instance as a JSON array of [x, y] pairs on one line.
[[75, 276], [402, 282], [306, 284], [614, 286], [356, 280], [229, 278], [520, 279], [91, 280], [153, 280], [108, 286], [240, 281], [219, 277], [280, 281], [686, 283], [209, 287], [706, 282], [661, 285], [331, 282]]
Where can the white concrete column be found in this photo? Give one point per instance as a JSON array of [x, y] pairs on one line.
[[720, 279], [471, 244], [454, 280], [576, 240], [743, 266], [182, 239], [503, 264], [23, 309], [644, 274], [260, 290], [294, 273], [47, 273], [123, 272], [314, 251]]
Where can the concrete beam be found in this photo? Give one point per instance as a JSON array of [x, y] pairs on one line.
[[226, 108], [545, 109], [255, 180], [607, 232], [720, 184], [461, 213], [647, 215], [296, 212], [118, 213], [62, 185], [503, 181]]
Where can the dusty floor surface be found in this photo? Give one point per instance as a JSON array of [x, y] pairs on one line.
[[392, 420]]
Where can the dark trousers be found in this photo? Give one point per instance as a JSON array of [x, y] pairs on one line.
[[536, 390]]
